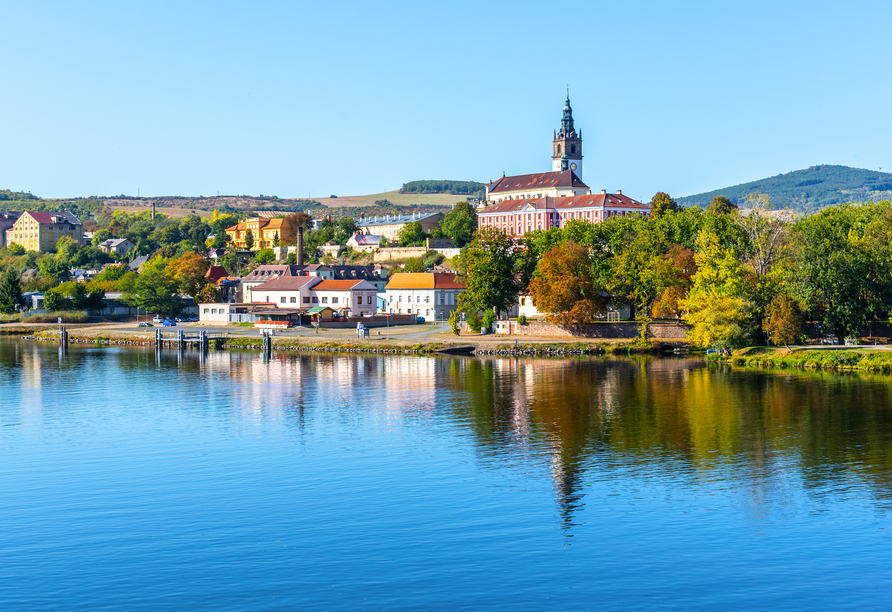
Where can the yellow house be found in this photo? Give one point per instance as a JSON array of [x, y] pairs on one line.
[[265, 232], [40, 231]]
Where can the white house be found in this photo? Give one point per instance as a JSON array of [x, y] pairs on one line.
[[426, 294], [365, 242], [353, 297]]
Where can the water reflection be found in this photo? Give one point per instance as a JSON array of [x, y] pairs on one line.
[[573, 420]]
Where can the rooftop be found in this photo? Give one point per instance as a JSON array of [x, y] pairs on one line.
[[425, 280], [541, 180], [599, 200]]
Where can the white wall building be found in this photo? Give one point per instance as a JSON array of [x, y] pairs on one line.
[[432, 295]]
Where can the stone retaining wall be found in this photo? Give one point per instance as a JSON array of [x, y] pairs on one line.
[[623, 331]]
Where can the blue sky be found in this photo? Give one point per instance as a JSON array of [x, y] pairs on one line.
[[309, 98]]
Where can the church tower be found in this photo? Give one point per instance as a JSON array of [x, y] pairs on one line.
[[567, 144]]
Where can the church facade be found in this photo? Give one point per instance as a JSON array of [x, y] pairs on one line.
[[529, 202]]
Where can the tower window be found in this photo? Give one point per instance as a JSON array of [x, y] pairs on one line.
[[559, 149], [572, 148]]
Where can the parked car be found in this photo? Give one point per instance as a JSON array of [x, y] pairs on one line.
[[420, 320], [178, 319], [169, 323], [157, 320], [145, 324], [192, 319]]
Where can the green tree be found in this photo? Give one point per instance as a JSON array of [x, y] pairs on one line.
[[720, 205], [249, 240], [156, 289], [412, 234], [414, 264], [276, 239], [662, 204], [265, 256], [11, 297], [100, 237], [489, 318], [455, 322], [842, 279], [55, 301], [488, 268], [459, 224]]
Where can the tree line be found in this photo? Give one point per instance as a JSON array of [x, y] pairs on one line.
[[738, 278]]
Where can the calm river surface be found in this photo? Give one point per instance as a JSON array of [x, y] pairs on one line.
[[136, 481]]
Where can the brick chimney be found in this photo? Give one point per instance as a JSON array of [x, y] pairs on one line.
[[300, 246]]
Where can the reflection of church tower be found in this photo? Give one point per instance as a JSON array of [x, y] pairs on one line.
[[567, 143]]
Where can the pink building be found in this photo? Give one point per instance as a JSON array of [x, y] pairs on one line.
[[519, 216]]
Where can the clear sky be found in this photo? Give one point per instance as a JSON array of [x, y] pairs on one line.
[[317, 98]]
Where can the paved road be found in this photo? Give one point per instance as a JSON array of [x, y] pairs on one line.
[[414, 333]]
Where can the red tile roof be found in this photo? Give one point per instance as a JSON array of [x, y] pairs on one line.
[[215, 272], [542, 180], [599, 200]]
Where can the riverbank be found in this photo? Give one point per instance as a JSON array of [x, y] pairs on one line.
[[867, 359], [483, 345]]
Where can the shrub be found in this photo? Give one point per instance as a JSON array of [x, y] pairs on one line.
[[474, 322], [489, 318], [522, 320], [455, 322], [67, 316]]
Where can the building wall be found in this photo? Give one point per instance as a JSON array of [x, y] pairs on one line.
[[34, 236], [518, 223], [429, 303]]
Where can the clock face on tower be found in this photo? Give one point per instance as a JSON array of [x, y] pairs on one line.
[[572, 166]]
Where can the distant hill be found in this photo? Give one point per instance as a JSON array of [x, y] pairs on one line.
[[466, 188], [810, 189]]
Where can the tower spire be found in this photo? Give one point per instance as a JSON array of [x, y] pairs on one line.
[[567, 149]]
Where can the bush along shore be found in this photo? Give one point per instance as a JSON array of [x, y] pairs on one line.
[[867, 360]]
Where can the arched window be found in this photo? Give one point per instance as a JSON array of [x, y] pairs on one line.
[[572, 148], [559, 150]]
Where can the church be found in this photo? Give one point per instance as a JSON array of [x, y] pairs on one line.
[[529, 202]]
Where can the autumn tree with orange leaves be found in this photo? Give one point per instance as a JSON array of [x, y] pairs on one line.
[[565, 286]]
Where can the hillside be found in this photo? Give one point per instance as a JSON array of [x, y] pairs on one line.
[[395, 198], [810, 189]]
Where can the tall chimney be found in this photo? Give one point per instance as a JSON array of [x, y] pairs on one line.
[[300, 245], [153, 210]]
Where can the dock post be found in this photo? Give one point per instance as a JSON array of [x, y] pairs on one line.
[[63, 337], [181, 342]]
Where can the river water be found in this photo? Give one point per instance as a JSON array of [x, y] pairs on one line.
[[131, 480]]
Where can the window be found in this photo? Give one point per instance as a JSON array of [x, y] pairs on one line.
[[294, 300], [306, 300], [442, 298], [334, 300], [205, 311], [213, 310], [315, 300], [325, 300], [283, 299], [359, 299], [427, 299]]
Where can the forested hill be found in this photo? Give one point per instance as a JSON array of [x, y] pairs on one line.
[[453, 187], [810, 189]]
